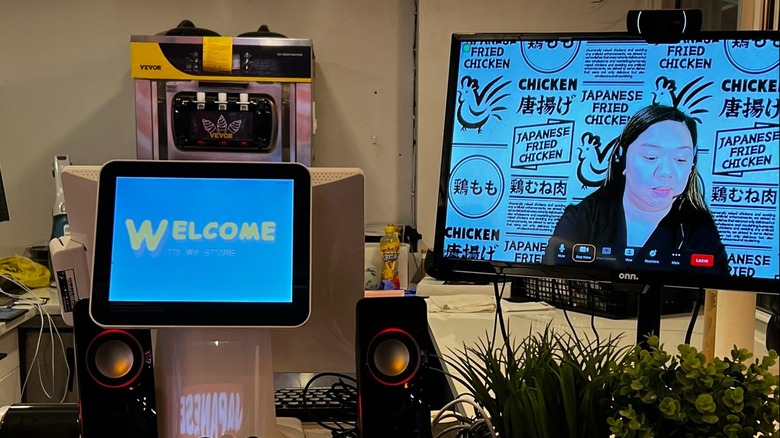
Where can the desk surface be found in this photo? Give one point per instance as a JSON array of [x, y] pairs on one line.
[[50, 304], [454, 329]]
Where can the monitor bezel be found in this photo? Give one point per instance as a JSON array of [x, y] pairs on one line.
[[202, 314], [458, 269]]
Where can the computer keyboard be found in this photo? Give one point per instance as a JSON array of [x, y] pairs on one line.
[[322, 404]]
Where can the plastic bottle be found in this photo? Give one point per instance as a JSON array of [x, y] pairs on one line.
[[389, 245]]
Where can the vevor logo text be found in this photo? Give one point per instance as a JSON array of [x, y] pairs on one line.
[[150, 237], [150, 67]]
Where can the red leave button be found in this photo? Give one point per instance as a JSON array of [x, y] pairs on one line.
[[705, 260]]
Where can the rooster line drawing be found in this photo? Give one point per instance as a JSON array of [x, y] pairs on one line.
[[594, 159], [475, 106], [687, 99]]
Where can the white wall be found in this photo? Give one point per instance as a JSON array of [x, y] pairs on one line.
[[65, 88], [438, 19]]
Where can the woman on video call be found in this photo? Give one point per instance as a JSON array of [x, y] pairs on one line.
[[650, 202]]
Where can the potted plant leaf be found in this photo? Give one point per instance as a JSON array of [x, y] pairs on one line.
[[663, 395], [548, 384]]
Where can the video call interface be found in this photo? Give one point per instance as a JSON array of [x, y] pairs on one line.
[[587, 152], [202, 240]]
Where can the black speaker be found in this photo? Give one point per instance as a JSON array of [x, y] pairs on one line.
[[399, 374], [115, 379], [40, 420]]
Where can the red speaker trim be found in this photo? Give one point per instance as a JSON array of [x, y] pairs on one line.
[[138, 365]]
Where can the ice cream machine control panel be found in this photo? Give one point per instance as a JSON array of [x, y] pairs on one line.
[[222, 121]]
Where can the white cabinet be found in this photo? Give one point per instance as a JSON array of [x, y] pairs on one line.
[[10, 386]]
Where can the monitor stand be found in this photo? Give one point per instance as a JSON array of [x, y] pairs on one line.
[[214, 382]]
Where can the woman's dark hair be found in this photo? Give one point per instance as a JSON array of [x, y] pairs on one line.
[[639, 122]]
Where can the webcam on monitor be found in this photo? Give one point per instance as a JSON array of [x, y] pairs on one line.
[[664, 25]]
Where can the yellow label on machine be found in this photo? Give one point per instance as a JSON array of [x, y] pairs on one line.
[[218, 54]]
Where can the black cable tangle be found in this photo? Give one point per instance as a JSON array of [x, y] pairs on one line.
[[346, 394]]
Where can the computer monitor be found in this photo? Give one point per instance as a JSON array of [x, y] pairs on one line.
[[217, 358], [603, 157]]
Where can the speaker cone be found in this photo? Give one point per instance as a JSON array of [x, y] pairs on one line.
[[393, 357], [114, 359]]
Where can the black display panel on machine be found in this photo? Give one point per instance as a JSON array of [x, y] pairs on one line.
[[242, 122]]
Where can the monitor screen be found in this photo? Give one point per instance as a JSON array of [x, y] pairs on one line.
[[196, 243], [604, 157]]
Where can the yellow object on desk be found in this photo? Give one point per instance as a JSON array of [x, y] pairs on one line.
[[24, 271]]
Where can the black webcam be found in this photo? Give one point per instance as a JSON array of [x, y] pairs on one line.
[[664, 25]]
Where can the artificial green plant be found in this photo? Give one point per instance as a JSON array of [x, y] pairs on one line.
[[660, 395], [547, 385]]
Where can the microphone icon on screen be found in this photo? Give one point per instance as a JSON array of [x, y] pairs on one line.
[[561, 248]]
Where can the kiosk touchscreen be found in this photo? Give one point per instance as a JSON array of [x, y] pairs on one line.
[[213, 254], [202, 244]]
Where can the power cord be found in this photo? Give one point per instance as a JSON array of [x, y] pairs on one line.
[[556, 284], [499, 319], [479, 426], [694, 314], [590, 291], [344, 390], [45, 317]]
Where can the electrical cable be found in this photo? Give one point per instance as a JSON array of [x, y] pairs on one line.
[[415, 115], [482, 416], [468, 425], [592, 303], [52, 331], [694, 315], [347, 396], [417, 263], [38, 303], [499, 318], [563, 307]]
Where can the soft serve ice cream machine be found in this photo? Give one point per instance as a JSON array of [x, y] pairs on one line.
[[245, 98]]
